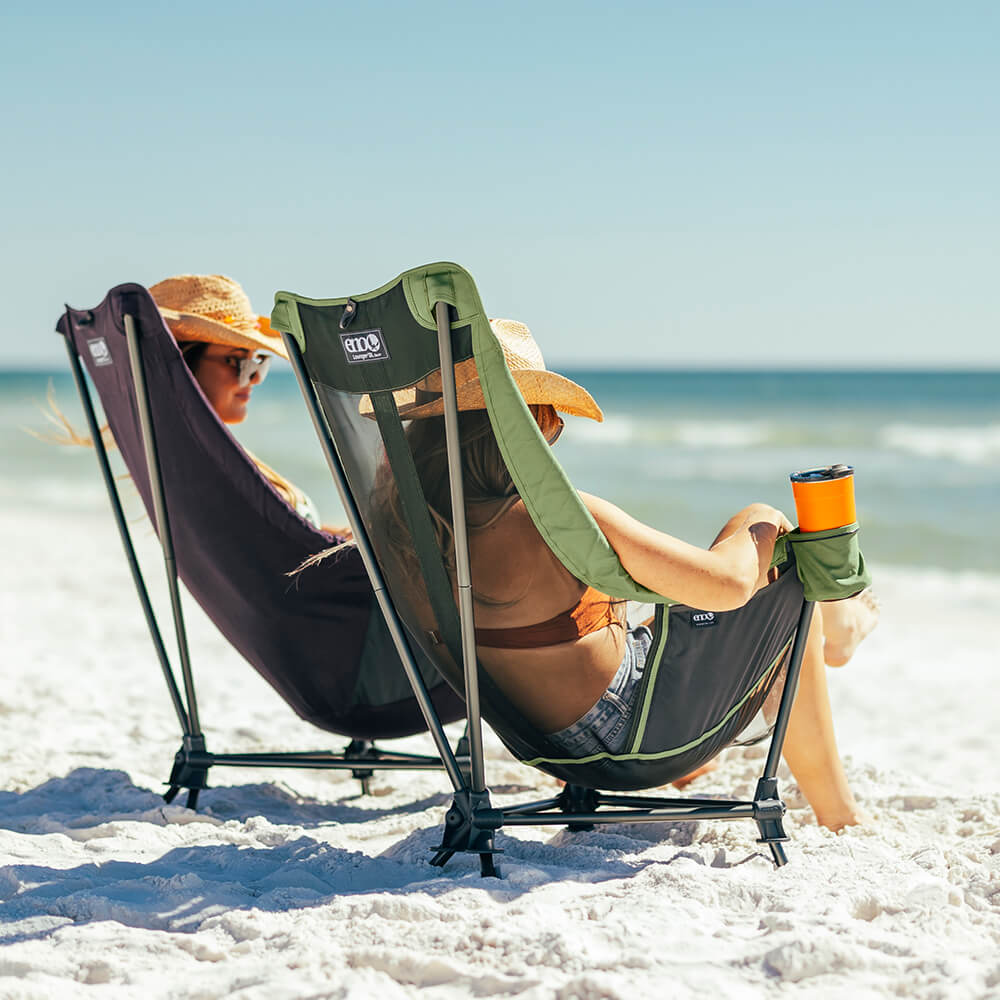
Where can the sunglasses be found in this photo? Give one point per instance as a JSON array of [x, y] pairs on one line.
[[246, 368], [554, 436]]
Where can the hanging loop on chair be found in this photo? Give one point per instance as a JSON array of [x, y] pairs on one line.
[[349, 313]]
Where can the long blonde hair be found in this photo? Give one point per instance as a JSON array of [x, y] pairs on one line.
[[484, 478]]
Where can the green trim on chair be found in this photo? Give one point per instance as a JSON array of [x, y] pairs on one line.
[[675, 751], [444, 282], [286, 320], [555, 507], [654, 660]]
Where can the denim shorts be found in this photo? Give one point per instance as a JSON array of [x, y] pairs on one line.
[[604, 729]]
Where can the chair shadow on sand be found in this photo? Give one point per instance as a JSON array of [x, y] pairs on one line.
[[91, 796], [185, 886]]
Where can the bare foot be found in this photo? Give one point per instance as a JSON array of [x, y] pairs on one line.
[[855, 816], [845, 624], [696, 773]]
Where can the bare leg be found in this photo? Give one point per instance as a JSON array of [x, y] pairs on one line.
[[845, 624], [810, 748]]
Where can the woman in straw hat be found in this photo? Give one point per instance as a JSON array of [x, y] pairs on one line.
[[228, 348], [563, 654], [222, 339]]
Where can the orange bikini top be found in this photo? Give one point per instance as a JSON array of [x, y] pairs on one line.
[[591, 613]]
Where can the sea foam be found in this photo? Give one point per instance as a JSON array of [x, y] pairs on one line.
[[972, 445]]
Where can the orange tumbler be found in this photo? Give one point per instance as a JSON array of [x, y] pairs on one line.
[[824, 498]]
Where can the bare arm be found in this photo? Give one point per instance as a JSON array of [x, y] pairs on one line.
[[719, 578]]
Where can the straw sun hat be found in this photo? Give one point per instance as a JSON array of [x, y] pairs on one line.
[[524, 359], [215, 309]]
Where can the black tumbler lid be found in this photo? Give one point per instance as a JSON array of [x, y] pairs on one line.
[[822, 475]]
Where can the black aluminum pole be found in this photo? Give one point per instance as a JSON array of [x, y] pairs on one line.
[[371, 565], [307, 761], [126, 537], [738, 811], [162, 520], [470, 662], [788, 695]]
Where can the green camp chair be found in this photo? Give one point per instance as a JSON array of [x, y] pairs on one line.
[[350, 354]]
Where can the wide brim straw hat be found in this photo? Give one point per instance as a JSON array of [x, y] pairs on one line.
[[214, 308], [524, 358]]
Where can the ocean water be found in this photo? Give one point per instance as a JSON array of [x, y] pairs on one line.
[[680, 450]]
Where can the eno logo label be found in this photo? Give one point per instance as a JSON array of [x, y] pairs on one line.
[[99, 351], [703, 619], [364, 345]]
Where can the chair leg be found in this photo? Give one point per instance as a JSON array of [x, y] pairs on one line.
[[469, 826], [578, 799], [768, 811], [190, 771], [768, 807], [361, 748]]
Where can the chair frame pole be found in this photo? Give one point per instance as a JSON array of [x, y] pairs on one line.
[[361, 539], [791, 687], [470, 662], [162, 518], [126, 536]]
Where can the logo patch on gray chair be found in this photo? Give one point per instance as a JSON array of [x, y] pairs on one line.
[[99, 352], [703, 619], [364, 345]]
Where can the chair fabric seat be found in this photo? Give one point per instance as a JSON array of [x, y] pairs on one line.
[[312, 637]]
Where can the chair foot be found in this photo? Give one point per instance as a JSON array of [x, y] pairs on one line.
[[469, 826], [768, 813], [190, 770], [362, 748], [578, 799], [487, 868], [779, 856]]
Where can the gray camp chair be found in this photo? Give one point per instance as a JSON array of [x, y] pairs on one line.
[[350, 354], [232, 540]]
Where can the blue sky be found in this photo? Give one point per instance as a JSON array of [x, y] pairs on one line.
[[649, 184]]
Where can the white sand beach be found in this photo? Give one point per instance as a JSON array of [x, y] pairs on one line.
[[288, 884]]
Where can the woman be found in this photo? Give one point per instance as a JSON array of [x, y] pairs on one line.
[[222, 340], [563, 654]]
